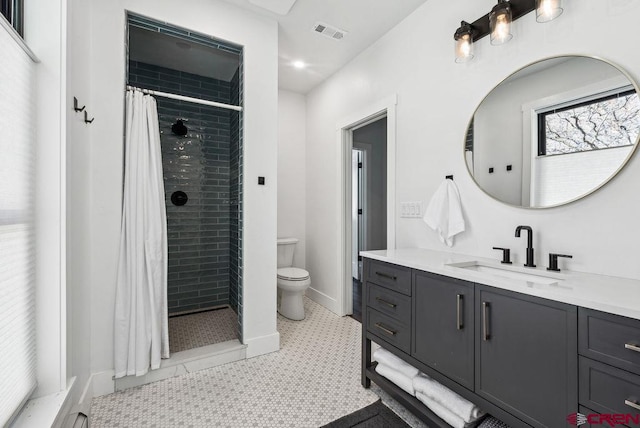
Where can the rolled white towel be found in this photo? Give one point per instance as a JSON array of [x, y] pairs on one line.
[[460, 406], [404, 382], [443, 413], [387, 358]]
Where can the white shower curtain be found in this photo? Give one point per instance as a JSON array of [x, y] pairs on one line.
[[141, 323]]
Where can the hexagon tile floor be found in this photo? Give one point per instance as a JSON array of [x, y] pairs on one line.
[[202, 329], [313, 380]]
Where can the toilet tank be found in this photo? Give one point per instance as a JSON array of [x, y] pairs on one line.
[[286, 248]]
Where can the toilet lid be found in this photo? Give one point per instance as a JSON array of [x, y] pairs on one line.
[[293, 274]]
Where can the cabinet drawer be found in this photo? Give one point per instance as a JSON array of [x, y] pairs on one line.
[[394, 277], [607, 389], [391, 330], [612, 339], [389, 302]]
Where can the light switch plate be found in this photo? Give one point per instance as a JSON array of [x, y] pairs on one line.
[[411, 209]]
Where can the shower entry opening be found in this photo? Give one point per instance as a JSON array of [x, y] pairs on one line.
[[197, 82]]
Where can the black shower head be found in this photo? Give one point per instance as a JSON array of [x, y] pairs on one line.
[[179, 129]]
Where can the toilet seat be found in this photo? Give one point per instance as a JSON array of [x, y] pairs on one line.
[[293, 274]]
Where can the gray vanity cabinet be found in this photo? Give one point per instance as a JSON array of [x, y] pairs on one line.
[[442, 325], [526, 355], [513, 355]]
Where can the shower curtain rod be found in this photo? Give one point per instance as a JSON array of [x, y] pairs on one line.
[[183, 98]]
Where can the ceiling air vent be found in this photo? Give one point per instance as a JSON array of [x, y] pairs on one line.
[[329, 31]]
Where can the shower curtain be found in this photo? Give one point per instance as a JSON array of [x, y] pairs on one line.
[[141, 322]]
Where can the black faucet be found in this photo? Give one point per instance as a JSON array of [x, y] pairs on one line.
[[529, 262]]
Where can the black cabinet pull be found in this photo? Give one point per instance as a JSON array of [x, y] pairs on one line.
[[386, 275], [459, 313], [381, 300], [386, 330], [485, 322]]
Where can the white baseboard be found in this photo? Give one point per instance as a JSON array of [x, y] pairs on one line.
[[324, 300], [99, 384], [262, 345]]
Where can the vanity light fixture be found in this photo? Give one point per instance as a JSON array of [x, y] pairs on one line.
[[464, 42], [548, 10], [497, 23], [500, 23]]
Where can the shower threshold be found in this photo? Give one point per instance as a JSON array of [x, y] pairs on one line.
[[188, 361]]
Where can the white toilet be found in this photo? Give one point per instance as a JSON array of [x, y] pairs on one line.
[[292, 282]]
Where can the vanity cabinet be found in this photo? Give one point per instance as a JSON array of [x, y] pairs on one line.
[[512, 355], [526, 355], [443, 325]]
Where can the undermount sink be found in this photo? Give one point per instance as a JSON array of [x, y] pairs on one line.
[[511, 272]]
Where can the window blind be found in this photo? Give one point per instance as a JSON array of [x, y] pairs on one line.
[[17, 238]]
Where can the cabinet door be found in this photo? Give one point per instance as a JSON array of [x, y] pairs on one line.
[[443, 325], [526, 356]]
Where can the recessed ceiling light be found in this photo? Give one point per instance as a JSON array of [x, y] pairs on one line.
[[299, 64]]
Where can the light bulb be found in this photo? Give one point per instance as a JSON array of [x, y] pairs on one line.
[[548, 10], [464, 42], [464, 48], [500, 24]]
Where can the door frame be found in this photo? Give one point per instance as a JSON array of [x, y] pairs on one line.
[[344, 137]]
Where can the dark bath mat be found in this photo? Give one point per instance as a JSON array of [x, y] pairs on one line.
[[376, 415]]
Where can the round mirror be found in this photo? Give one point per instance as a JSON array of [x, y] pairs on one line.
[[553, 132]]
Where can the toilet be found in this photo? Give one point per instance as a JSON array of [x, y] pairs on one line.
[[292, 281]]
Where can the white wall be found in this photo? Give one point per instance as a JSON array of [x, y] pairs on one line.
[[291, 170], [436, 98], [78, 186], [107, 68]]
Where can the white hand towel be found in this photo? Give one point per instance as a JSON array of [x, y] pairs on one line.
[[442, 412], [402, 381], [388, 359], [458, 405], [444, 213]]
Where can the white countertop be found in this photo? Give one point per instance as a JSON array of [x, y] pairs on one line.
[[620, 296]]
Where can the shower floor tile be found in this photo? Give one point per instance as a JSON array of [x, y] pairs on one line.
[[313, 380], [202, 329]]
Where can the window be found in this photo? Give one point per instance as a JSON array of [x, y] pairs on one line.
[[12, 11], [17, 234], [612, 120]]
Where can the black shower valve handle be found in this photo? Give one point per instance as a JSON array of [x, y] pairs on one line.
[[179, 198], [506, 255]]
